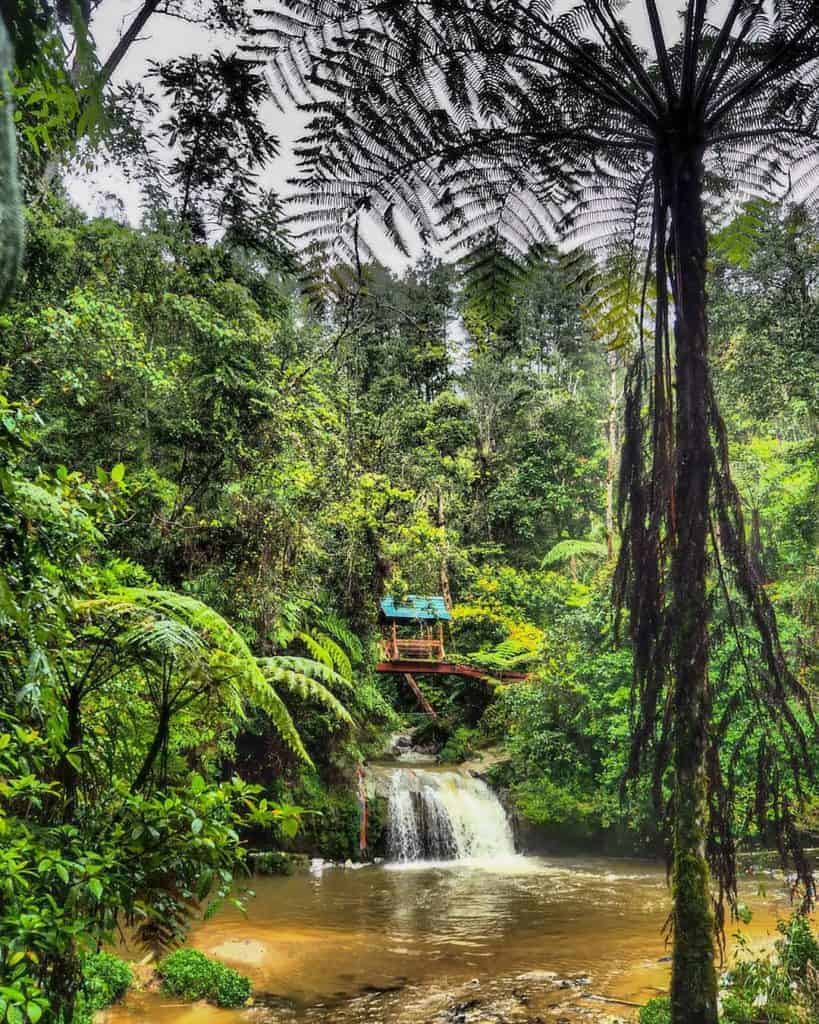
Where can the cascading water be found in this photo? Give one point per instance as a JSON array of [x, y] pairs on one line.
[[445, 816]]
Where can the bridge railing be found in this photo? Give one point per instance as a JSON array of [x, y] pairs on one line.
[[414, 650]]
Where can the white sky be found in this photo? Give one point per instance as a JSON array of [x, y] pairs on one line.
[[164, 38]]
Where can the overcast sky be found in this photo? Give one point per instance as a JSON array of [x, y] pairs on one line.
[[165, 38]]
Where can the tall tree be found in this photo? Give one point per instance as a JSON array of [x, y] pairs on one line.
[[11, 230], [518, 119]]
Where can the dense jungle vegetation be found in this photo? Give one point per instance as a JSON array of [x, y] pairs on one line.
[[211, 473]]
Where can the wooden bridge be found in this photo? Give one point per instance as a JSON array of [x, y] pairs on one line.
[[425, 654]]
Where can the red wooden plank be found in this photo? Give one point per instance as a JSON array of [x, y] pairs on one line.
[[445, 668], [422, 701]]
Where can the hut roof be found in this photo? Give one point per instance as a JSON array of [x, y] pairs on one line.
[[416, 607]]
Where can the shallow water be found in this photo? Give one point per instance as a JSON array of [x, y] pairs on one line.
[[399, 942]]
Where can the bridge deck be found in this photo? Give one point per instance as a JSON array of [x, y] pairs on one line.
[[446, 668]]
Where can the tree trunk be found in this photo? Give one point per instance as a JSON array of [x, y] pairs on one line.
[[694, 980], [756, 550], [613, 445], [68, 773], [155, 749], [127, 39], [446, 593]]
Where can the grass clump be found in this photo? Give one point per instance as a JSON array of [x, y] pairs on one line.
[[191, 975]]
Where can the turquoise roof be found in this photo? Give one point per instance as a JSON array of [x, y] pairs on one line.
[[415, 607]]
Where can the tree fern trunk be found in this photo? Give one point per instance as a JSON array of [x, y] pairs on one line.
[[694, 981], [613, 439]]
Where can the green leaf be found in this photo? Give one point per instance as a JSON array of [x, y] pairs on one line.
[[34, 1011], [117, 473]]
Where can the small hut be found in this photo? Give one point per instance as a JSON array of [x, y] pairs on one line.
[[413, 629]]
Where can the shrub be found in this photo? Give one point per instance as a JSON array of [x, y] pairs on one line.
[[106, 980], [191, 975], [656, 1011], [272, 862], [459, 746], [544, 802], [331, 828]]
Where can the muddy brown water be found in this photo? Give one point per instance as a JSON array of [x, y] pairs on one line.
[[450, 942]]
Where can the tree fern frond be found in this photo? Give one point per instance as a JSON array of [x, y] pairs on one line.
[[337, 628], [305, 687], [314, 669], [317, 649], [566, 549]]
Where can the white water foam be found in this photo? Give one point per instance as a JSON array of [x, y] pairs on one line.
[[446, 817]]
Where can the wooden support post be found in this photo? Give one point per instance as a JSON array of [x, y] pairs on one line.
[[441, 639], [394, 641], [425, 705]]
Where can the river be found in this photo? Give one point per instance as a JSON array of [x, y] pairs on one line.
[[486, 937]]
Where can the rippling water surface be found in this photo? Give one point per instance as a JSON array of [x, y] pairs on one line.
[[381, 944]]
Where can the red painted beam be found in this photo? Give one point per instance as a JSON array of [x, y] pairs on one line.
[[446, 668]]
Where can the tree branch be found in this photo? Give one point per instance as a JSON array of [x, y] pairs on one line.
[[127, 39]]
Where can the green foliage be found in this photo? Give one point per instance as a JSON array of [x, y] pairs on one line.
[[459, 746], [568, 550], [192, 976], [764, 989], [656, 1011], [206, 483], [273, 862], [331, 824], [106, 979]]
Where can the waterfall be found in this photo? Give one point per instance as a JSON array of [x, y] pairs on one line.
[[445, 816]]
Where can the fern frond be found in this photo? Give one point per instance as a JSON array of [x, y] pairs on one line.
[[304, 687], [566, 549], [316, 648], [314, 669], [337, 628]]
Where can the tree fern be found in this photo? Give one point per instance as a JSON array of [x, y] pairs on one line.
[[335, 627], [505, 656], [238, 679], [317, 670], [316, 648], [565, 550], [502, 125], [325, 650]]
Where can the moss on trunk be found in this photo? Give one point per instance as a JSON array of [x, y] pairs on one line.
[[694, 979]]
